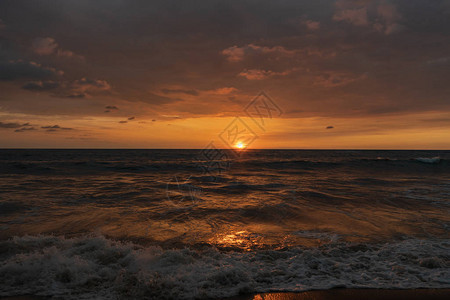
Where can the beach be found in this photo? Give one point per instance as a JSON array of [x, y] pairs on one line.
[[337, 294], [348, 294]]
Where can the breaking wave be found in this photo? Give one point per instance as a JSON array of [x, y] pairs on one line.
[[94, 266], [433, 160]]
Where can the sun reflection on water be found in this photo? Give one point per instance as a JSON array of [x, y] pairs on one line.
[[243, 240]]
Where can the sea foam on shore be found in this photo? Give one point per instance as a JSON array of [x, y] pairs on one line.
[[96, 266]]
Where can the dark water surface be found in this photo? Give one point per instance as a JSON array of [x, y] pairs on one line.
[[152, 223]]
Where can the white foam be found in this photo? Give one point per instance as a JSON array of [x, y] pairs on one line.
[[95, 267], [433, 160]]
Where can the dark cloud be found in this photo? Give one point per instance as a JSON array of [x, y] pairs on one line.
[[55, 128], [17, 126], [123, 122], [131, 118], [109, 108], [69, 89], [25, 129], [82, 88], [12, 125], [19, 69], [330, 127]]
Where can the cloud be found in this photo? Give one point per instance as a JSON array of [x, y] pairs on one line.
[[67, 53], [171, 116], [235, 53], [329, 127], [84, 85], [157, 99], [335, 79], [131, 118], [82, 88], [193, 92], [75, 89], [223, 91], [381, 15], [40, 85], [44, 46], [441, 61], [25, 129], [75, 95], [17, 126], [261, 74], [12, 125], [55, 128], [20, 69], [48, 46], [110, 107], [311, 25], [180, 91], [357, 17], [197, 54], [123, 122], [388, 15]]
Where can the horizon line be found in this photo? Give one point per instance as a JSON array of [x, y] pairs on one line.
[[258, 149]]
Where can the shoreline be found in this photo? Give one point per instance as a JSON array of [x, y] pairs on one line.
[[349, 294], [332, 294]]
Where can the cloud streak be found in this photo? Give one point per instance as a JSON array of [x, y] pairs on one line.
[[52, 128], [12, 125]]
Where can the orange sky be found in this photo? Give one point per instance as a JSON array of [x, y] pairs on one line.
[[369, 74], [391, 132]]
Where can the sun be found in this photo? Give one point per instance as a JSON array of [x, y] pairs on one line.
[[240, 145]]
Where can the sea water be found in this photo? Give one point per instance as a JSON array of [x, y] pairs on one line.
[[158, 224]]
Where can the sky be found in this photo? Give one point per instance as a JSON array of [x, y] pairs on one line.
[[361, 74]]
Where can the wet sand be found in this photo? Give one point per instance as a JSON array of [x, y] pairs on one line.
[[348, 294], [335, 294]]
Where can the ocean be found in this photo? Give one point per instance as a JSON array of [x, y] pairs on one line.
[[185, 224]]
